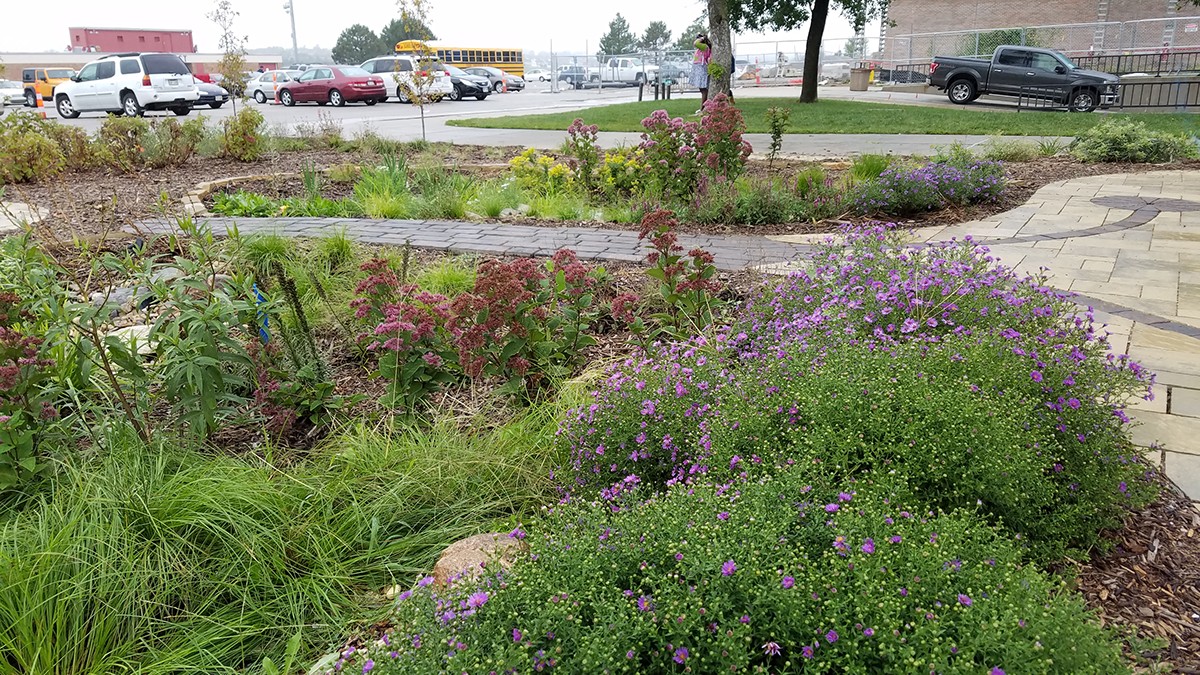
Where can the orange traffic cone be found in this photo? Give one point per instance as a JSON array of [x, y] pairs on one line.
[[41, 105], [504, 82]]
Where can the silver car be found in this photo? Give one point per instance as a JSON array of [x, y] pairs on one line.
[[11, 93], [263, 87]]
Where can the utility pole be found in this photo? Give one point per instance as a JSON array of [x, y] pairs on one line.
[[290, 7]]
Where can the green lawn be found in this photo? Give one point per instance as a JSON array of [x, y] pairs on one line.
[[845, 117]]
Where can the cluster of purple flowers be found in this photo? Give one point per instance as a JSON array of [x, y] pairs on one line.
[[936, 185]]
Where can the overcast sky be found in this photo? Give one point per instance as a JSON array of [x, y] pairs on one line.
[[528, 24]]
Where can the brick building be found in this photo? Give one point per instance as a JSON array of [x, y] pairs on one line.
[[920, 26], [131, 40]]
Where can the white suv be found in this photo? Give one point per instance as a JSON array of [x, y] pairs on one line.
[[130, 84], [400, 68]]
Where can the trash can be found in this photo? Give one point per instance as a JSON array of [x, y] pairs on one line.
[[859, 78]]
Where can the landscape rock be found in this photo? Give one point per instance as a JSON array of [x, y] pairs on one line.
[[465, 558], [509, 213], [524, 209], [137, 336], [168, 274]]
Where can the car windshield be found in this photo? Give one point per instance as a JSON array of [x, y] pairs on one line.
[[9, 84], [353, 71], [455, 71], [57, 73], [163, 64]]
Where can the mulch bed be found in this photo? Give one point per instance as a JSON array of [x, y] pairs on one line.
[[1151, 581]]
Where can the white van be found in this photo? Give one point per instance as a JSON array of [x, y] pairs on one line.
[[398, 70]]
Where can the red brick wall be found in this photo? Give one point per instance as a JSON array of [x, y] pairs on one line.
[[113, 40]]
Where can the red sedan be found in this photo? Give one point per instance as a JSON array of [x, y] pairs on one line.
[[336, 85]]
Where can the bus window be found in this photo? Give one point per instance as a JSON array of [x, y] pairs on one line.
[[456, 56], [441, 54]]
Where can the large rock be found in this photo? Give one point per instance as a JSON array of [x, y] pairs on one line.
[[467, 557]]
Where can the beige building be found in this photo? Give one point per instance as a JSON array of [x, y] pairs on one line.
[[11, 64]]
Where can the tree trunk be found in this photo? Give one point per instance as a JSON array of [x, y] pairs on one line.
[[812, 51], [722, 45]]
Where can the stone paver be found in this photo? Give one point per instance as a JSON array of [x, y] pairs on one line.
[[1127, 245], [15, 215]]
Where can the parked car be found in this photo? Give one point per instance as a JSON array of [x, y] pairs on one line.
[[263, 86], [538, 74], [572, 75], [400, 73], [498, 78], [11, 93], [335, 85], [466, 84], [41, 82], [626, 70], [1024, 71], [211, 95], [129, 83], [674, 71]]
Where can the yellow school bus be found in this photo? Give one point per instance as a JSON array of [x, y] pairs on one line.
[[509, 60]]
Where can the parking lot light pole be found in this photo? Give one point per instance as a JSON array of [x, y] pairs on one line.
[[290, 7]]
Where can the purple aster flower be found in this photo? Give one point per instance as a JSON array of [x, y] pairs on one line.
[[831, 508], [964, 600], [645, 603], [368, 666], [904, 592], [728, 568], [806, 651], [1036, 375], [745, 618], [734, 461], [1123, 487], [868, 632], [681, 655], [404, 596], [896, 539], [477, 600], [629, 654], [517, 635], [844, 496], [678, 556], [771, 649], [724, 515], [868, 546], [788, 582], [908, 326], [425, 581], [996, 671], [831, 636]]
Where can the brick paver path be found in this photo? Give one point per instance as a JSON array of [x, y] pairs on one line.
[[1129, 245]]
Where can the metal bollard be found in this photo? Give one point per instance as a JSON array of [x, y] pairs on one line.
[[641, 87]]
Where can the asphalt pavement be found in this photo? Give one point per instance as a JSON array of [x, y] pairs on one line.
[[403, 121]]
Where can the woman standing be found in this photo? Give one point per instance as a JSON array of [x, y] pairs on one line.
[[700, 61]]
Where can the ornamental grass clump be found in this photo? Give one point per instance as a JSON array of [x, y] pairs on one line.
[[783, 574]]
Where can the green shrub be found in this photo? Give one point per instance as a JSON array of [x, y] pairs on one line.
[[762, 203], [780, 575], [170, 143], [493, 199], [76, 145], [900, 191], [1126, 140], [243, 135], [449, 276], [244, 204], [26, 152], [121, 143], [862, 363], [345, 173]]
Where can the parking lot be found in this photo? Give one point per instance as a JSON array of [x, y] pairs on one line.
[[393, 119]]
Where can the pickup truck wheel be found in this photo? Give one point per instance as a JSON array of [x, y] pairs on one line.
[[962, 91], [1082, 100]]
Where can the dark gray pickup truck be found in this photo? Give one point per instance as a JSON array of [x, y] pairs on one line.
[[1024, 71]]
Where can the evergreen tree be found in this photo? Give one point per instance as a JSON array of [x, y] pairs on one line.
[[619, 39], [399, 30], [656, 38]]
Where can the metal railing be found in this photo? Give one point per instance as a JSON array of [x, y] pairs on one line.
[[1173, 95], [1157, 63]]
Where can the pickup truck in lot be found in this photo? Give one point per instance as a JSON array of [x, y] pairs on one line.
[[1024, 71], [623, 69]]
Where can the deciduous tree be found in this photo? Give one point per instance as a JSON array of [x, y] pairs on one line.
[[357, 44], [233, 47], [789, 14], [398, 31], [688, 36]]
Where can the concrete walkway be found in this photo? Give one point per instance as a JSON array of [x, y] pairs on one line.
[[1128, 244]]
